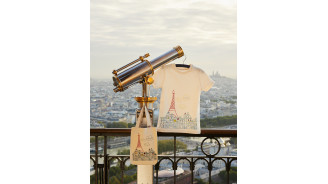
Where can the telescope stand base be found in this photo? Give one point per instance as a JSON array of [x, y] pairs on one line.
[[145, 173]]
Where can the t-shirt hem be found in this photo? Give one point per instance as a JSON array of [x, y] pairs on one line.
[[178, 131]]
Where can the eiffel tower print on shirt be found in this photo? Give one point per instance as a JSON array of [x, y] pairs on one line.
[[172, 120], [172, 106]]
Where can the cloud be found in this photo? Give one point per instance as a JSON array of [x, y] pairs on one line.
[[125, 27]]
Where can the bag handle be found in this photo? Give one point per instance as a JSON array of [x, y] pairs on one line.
[[147, 117], [143, 110], [140, 117]]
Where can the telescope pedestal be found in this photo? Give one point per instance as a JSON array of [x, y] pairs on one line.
[[145, 172]]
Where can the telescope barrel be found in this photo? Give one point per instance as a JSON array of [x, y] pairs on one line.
[[133, 62], [135, 74]]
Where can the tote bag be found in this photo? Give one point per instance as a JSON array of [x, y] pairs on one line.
[[143, 146]]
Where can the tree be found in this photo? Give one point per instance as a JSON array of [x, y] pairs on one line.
[[123, 152], [93, 139], [218, 121], [232, 174], [233, 140], [168, 145], [200, 181], [114, 180], [117, 125], [196, 149], [102, 123]]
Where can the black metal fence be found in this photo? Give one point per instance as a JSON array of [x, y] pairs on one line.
[[101, 170]]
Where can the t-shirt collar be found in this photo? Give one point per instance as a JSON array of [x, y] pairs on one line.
[[184, 70]]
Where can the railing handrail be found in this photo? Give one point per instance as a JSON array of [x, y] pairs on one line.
[[177, 156], [205, 132]]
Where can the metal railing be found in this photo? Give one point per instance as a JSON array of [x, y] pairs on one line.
[[102, 169]]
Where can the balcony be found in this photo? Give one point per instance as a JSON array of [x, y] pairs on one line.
[[207, 163]]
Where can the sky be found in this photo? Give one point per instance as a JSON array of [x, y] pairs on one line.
[[123, 30]]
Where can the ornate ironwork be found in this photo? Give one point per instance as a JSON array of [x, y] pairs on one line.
[[102, 169]]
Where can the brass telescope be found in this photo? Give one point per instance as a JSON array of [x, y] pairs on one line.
[[139, 70]]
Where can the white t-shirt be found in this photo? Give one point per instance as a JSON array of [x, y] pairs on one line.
[[179, 104]]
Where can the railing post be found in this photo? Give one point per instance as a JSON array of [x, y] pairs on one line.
[[157, 168], [192, 168], [96, 153], [209, 171], [174, 163], [122, 165], [101, 173], [105, 160], [228, 170]]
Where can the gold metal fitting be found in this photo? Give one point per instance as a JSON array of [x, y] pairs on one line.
[[151, 66], [149, 80], [120, 87], [114, 72], [141, 58], [179, 50], [145, 99]]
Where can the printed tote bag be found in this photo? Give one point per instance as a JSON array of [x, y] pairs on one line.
[[143, 146]]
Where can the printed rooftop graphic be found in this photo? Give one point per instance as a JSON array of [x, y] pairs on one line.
[[172, 121]]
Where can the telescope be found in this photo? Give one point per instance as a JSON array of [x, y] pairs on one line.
[[140, 70]]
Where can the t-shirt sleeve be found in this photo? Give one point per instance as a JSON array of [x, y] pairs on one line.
[[205, 81], [159, 77]]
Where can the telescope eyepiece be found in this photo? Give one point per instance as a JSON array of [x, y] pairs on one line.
[[179, 51]]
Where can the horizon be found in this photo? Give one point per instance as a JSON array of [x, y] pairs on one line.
[[209, 74]]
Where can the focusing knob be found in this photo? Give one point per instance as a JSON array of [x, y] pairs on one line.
[[149, 80]]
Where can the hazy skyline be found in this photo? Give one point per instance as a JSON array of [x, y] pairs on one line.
[[123, 30]]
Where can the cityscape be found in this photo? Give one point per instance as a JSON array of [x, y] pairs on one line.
[[108, 107]]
